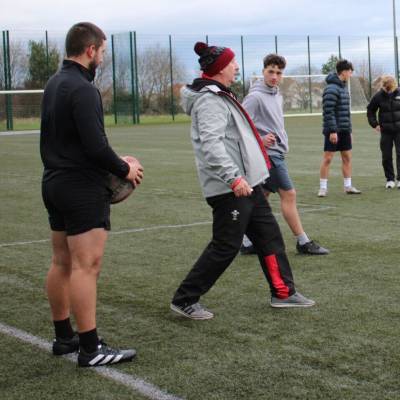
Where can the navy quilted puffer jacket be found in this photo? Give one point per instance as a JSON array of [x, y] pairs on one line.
[[336, 106]]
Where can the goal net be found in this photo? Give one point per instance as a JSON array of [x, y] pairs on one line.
[[302, 94], [20, 109]]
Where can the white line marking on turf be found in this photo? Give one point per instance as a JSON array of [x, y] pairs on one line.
[[13, 133], [138, 385], [153, 228], [22, 243]]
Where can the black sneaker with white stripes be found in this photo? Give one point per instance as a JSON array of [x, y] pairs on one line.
[[104, 355], [194, 311], [63, 346]]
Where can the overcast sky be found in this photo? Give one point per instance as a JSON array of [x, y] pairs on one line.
[[298, 17]]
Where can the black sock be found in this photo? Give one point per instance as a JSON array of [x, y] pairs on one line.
[[89, 341], [63, 329]]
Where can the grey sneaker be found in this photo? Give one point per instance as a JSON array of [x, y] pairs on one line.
[[322, 192], [311, 248], [352, 190], [295, 300], [194, 311]]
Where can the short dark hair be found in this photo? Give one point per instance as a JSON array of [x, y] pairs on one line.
[[81, 36], [274, 59], [343, 65]]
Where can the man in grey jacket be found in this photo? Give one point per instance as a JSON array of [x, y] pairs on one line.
[[232, 164], [265, 106]]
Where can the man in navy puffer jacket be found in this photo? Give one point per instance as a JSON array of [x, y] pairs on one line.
[[337, 126]]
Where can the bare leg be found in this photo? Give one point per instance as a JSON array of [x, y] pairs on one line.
[[86, 251], [325, 164], [58, 277], [290, 212], [346, 163]]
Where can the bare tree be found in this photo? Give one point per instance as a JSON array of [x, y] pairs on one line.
[[104, 81], [296, 91], [18, 65], [154, 73], [361, 70]]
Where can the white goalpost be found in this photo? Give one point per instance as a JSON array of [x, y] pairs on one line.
[[20, 109], [302, 94]]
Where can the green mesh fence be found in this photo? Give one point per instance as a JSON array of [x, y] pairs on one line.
[[142, 74]]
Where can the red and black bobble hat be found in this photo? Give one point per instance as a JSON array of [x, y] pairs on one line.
[[213, 59]]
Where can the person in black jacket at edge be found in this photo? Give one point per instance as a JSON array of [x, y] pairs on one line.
[[77, 162], [387, 103]]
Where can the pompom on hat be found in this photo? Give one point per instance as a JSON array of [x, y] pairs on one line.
[[213, 59]]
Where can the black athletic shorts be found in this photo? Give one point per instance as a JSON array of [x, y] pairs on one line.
[[343, 143], [76, 204]]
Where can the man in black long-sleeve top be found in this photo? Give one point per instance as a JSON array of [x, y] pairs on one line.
[[77, 161]]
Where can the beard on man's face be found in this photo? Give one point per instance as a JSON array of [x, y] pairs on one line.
[[92, 67]]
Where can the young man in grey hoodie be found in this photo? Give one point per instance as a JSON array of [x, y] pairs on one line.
[[232, 164], [265, 106]]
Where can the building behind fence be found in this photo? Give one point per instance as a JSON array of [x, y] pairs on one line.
[[142, 74]]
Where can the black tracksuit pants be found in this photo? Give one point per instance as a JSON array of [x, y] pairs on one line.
[[232, 218], [387, 141]]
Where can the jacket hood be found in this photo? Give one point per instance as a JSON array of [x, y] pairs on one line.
[[189, 97], [333, 78], [260, 86], [395, 92], [199, 87]]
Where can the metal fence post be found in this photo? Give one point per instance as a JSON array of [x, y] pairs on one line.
[[7, 75], [114, 83], [243, 75], [309, 72], [397, 59], [340, 48], [132, 79], [369, 68], [172, 79], [47, 57], [136, 79], [276, 44]]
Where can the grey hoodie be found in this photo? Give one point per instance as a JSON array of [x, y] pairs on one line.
[[265, 107], [223, 141]]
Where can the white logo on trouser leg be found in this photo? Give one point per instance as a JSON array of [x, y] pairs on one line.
[[235, 214]]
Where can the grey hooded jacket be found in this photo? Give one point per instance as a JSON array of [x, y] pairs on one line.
[[265, 107], [223, 142]]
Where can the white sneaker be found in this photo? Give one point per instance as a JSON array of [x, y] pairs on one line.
[[391, 185], [323, 192], [398, 185], [352, 190]]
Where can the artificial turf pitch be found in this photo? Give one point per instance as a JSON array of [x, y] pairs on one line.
[[347, 347]]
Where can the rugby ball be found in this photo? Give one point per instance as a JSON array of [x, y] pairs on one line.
[[121, 188]]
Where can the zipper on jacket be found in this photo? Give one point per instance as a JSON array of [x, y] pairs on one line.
[[241, 157]]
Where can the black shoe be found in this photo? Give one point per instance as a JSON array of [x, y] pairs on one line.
[[311, 248], [65, 345], [104, 355], [247, 250]]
